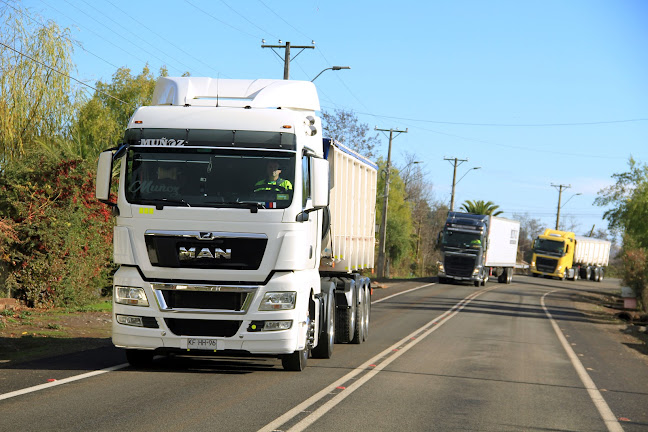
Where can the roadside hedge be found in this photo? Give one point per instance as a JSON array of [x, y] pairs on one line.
[[57, 244]]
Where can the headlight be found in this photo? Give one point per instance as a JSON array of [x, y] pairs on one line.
[[130, 296], [278, 301]]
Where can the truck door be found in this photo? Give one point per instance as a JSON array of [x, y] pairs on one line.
[[312, 225]]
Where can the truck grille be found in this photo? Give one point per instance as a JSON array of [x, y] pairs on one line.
[[461, 266], [219, 298], [204, 300], [205, 250], [546, 265], [197, 327]]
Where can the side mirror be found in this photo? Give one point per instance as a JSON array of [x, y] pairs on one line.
[[320, 182], [104, 175]]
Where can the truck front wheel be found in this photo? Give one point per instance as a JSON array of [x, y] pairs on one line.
[[139, 358], [295, 362]]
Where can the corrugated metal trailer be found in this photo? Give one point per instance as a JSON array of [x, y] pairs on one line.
[[351, 243], [592, 252]]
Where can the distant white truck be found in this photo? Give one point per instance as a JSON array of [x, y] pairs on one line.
[[477, 247], [240, 230]]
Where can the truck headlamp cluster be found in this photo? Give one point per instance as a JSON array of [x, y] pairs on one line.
[[278, 301], [130, 296], [257, 326]]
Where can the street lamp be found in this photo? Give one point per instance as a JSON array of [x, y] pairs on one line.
[[456, 163], [335, 68], [561, 206]]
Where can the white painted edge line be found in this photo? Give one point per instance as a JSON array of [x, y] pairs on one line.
[[320, 411], [603, 408], [402, 292], [61, 381]]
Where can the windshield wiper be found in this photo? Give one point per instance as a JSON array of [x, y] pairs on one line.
[[160, 203], [254, 206]]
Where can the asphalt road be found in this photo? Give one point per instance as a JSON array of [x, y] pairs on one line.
[[518, 357]]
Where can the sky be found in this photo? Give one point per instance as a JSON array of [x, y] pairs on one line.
[[534, 93]]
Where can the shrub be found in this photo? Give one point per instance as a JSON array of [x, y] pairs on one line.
[[64, 235]]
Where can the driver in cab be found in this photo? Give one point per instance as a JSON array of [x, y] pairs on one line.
[[273, 182]]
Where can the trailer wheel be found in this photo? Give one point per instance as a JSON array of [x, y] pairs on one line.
[[588, 273], [324, 348], [359, 331], [601, 271], [345, 321], [295, 362], [139, 358], [509, 275], [367, 311]]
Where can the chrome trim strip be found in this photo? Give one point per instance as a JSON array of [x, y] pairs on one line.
[[248, 290], [197, 234]]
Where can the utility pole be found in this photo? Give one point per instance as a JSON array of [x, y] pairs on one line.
[[383, 224], [560, 189], [286, 58], [454, 178]]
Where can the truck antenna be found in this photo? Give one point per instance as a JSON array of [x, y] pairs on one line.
[[217, 82]]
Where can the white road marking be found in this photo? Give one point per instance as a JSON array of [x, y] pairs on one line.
[[603, 408], [400, 293], [61, 381], [395, 351]]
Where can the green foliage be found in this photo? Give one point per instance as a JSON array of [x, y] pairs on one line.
[[399, 217], [35, 101], [481, 207], [101, 121], [634, 273], [344, 126], [63, 254]]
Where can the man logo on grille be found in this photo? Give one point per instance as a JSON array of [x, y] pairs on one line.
[[191, 253]]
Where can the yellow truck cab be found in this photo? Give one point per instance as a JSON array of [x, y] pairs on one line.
[[553, 254]]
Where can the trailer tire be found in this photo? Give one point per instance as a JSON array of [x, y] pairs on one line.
[[367, 311], [359, 330], [326, 340], [139, 358], [295, 362], [509, 275], [601, 271]]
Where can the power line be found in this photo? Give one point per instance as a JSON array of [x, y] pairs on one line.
[[62, 73], [221, 21], [245, 18]]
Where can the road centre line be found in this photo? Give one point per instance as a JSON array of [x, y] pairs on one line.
[[393, 352], [603, 408], [124, 365], [61, 381]]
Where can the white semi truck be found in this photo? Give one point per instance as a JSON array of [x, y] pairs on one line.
[[239, 229], [478, 247]]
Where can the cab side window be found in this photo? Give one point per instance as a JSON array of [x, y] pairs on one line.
[[306, 189]]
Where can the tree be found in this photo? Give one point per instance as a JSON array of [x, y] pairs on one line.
[[344, 126], [628, 214], [530, 229], [102, 120], [399, 217], [481, 208], [36, 94]]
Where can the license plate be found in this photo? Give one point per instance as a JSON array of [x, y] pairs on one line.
[[202, 344]]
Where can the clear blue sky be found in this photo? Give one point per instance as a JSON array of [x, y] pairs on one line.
[[534, 92]]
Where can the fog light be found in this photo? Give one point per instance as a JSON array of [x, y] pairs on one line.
[[130, 320], [259, 326]]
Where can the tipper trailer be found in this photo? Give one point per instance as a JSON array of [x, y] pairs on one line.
[[564, 255], [475, 248], [239, 229]]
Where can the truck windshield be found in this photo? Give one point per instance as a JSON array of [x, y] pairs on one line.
[[549, 247], [209, 177], [461, 239]]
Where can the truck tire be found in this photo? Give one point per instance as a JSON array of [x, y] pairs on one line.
[[359, 331], [588, 273], [601, 272], [367, 311], [509, 275], [295, 362], [139, 358], [326, 340], [593, 274]]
